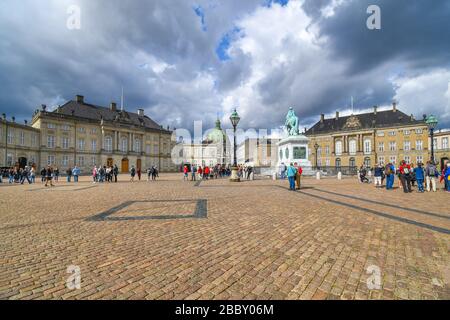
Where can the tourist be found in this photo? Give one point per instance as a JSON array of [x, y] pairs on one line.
[[43, 173], [56, 174], [200, 172], [133, 173], [298, 176], [193, 171], [413, 175], [363, 174], [94, 174], [419, 174], [447, 177], [405, 176], [154, 172], [390, 176], [49, 176], [283, 169], [249, 172], [139, 174], [115, 172], [378, 173], [185, 173], [206, 173], [431, 174], [291, 172], [69, 174], [33, 175], [75, 173], [25, 175]]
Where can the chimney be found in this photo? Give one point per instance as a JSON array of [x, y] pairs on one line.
[[140, 112], [113, 106], [394, 106], [375, 109], [322, 118], [337, 115], [79, 99]]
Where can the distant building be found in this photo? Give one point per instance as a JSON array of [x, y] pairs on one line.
[[86, 135], [258, 152], [367, 139], [441, 146]]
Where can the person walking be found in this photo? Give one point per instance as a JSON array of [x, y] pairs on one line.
[[43, 173], [291, 172], [33, 175], [133, 173], [56, 174], [115, 172], [419, 173], [69, 174], [25, 175], [405, 176], [94, 174], [298, 176], [200, 172], [378, 173], [206, 173], [49, 176], [185, 173], [193, 172], [446, 175], [431, 173], [75, 173], [139, 174], [390, 176]]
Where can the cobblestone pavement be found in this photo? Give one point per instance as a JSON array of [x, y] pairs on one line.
[[216, 240]]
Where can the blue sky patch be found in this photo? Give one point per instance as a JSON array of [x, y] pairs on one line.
[[225, 43], [201, 14]]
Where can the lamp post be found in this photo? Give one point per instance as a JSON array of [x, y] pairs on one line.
[[431, 122], [316, 146], [234, 118]]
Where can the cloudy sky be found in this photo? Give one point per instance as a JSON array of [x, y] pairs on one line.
[[186, 60]]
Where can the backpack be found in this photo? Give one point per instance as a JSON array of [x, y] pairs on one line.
[[432, 171], [405, 170]]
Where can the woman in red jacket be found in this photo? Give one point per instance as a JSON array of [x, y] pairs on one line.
[[200, 172], [405, 176]]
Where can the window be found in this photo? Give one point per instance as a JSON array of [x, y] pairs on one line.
[[381, 160], [392, 133], [435, 143], [319, 152], [82, 129], [392, 159], [352, 162], [9, 160], [407, 145], [444, 143], [352, 147], [419, 131], [392, 146], [33, 160], [94, 145], [65, 160], [338, 147], [50, 141], [108, 144], [124, 145], [10, 136], [94, 131], [137, 145], [65, 127], [419, 159], [406, 132], [50, 160], [51, 125], [148, 149], [156, 149], [381, 146], [327, 162], [367, 162], [33, 140], [419, 145], [367, 146], [408, 159], [380, 134], [93, 160], [327, 150], [338, 163], [81, 161], [65, 143], [81, 144], [22, 138]]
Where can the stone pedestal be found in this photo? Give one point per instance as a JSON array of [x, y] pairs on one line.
[[234, 175], [294, 149]]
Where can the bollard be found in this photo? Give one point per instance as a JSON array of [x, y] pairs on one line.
[[318, 175], [339, 176]]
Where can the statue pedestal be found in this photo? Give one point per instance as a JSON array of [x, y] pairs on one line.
[[294, 149]]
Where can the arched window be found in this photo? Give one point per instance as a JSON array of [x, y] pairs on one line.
[[108, 144], [352, 163], [338, 163], [124, 145], [352, 146], [338, 147]]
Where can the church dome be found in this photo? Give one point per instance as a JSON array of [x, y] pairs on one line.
[[217, 135]]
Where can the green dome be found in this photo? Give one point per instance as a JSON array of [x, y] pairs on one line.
[[217, 135]]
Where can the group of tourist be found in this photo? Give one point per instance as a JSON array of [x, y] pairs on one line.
[[101, 174], [19, 175], [426, 176], [294, 174], [206, 172]]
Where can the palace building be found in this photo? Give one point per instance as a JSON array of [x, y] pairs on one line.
[[86, 135], [368, 139], [441, 146]]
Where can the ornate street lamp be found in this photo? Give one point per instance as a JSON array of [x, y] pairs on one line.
[[431, 122], [234, 118], [316, 146]]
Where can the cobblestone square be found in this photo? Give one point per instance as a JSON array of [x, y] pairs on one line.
[[213, 239]]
